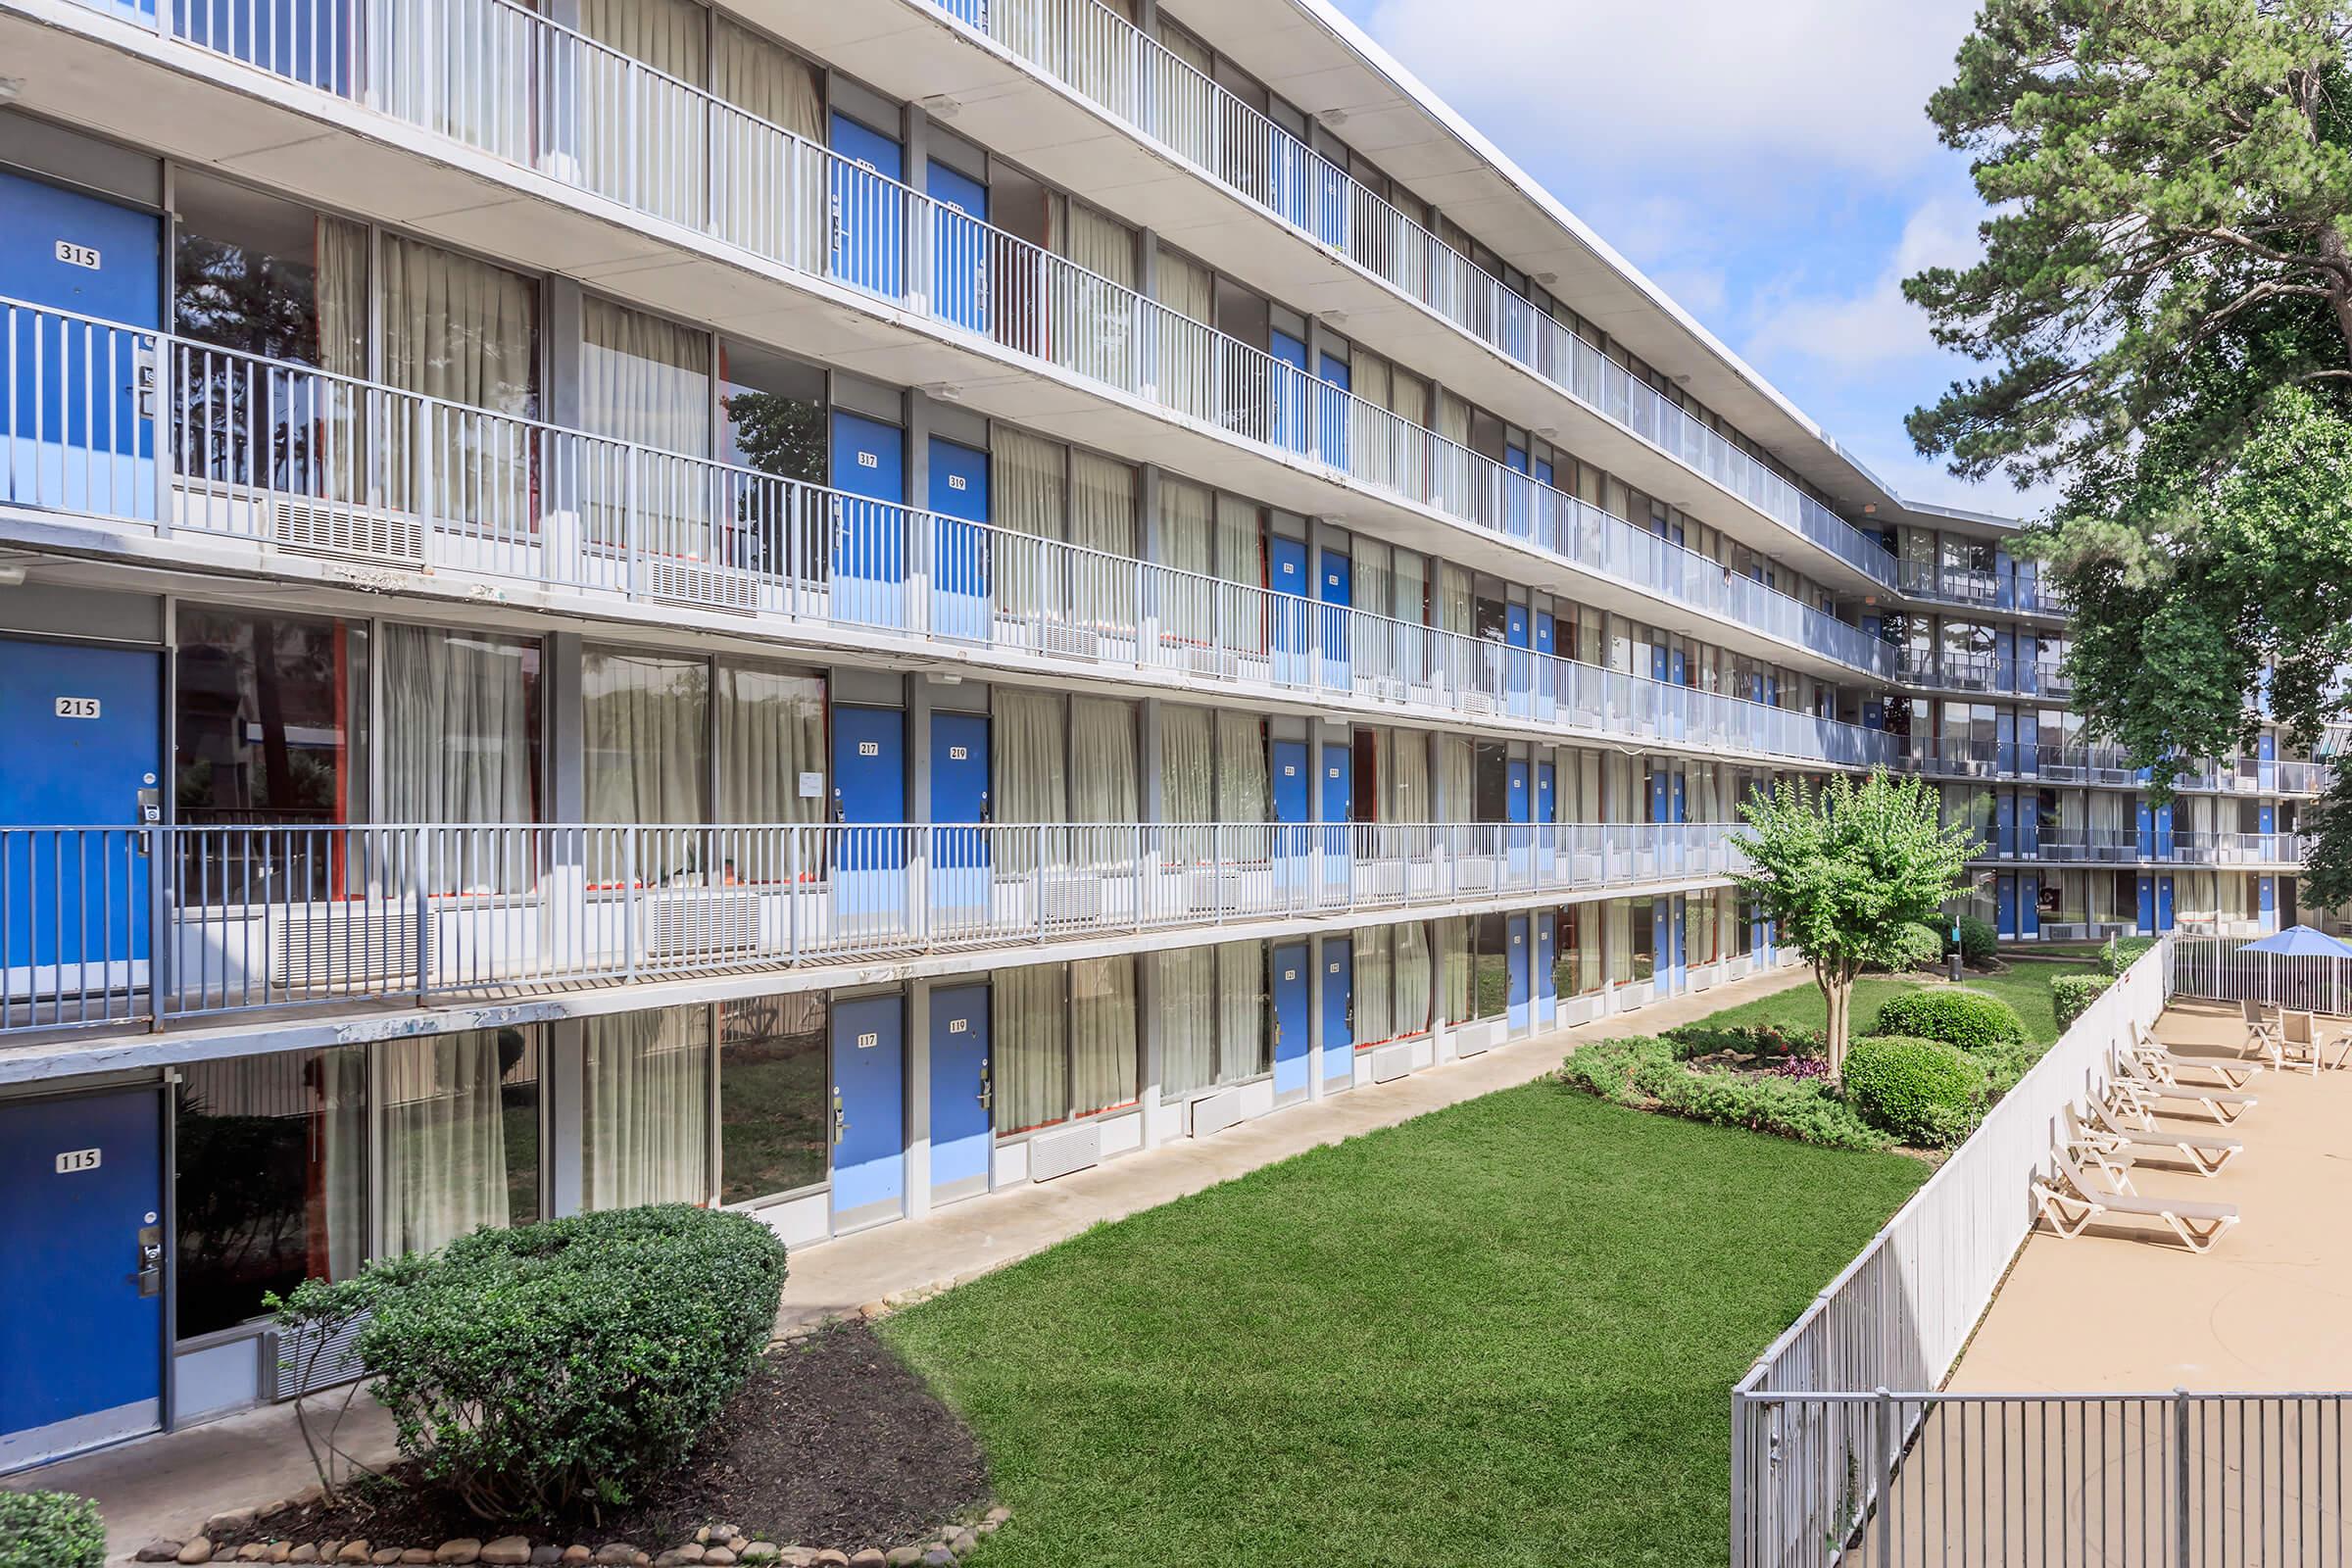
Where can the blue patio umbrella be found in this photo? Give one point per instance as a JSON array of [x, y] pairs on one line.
[[2300, 942]]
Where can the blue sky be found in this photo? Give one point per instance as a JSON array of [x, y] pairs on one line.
[[1768, 162]]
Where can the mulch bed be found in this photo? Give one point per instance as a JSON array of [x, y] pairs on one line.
[[832, 1442]]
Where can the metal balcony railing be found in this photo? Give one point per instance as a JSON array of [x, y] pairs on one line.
[[499, 79], [1979, 590], [1136, 79], [111, 925], [136, 425], [2063, 846]]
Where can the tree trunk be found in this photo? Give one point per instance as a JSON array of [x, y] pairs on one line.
[[1841, 993]]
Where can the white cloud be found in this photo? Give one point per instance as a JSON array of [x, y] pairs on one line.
[[1700, 290], [1696, 86], [1874, 328]]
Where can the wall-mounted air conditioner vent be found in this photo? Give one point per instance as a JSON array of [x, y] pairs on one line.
[[305, 1360], [701, 924], [691, 582], [1213, 1114], [329, 945], [323, 527], [1053, 1155]]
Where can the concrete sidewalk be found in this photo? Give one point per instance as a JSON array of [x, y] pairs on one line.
[[165, 1486]]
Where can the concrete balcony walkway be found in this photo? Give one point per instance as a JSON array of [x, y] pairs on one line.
[[164, 1486]]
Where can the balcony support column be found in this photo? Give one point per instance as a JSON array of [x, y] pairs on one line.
[[918, 1098]]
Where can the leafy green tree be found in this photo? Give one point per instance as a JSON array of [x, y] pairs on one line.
[[2164, 303], [1844, 870]]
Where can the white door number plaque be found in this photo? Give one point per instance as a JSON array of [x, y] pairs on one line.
[[73, 255], [77, 707], [75, 1160]]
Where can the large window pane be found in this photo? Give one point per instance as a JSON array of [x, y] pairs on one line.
[[461, 1136], [1103, 1070], [271, 1158], [1242, 1010], [1029, 1028], [1490, 978], [646, 1132], [460, 725], [1184, 1001], [647, 750], [774, 1127]]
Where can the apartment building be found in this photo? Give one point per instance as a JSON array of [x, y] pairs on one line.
[[834, 609]]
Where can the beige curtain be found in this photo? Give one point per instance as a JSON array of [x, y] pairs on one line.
[[770, 730], [1184, 1006], [1102, 731], [1243, 795], [1103, 1054], [1029, 492], [445, 1140], [465, 332], [1102, 518], [755, 170], [1375, 988], [1405, 781], [1413, 978], [459, 748], [1188, 767], [1093, 307], [646, 750], [1188, 608], [646, 1133], [1030, 766], [1185, 101], [1241, 1010], [653, 158], [646, 380], [1029, 1031], [1453, 955], [339, 418], [1186, 359], [1457, 796]]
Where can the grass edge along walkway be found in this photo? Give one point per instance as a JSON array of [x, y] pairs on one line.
[[1501, 1333]]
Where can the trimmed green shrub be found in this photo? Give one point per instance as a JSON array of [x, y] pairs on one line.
[[2119, 955], [1748, 1040], [550, 1367], [1978, 941], [1915, 946], [2004, 1064], [1953, 1014], [1924, 1092], [2072, 994], [1644, 1074], [50, 1530]]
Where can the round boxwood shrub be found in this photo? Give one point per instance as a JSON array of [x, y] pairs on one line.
[[1978, 941], [556, 1366], [50, 1530], [1953, 1014], [2071, 996], [1916, 946], [1924, 1092]]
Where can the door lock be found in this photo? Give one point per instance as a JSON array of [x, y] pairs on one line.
[[150, 1274], [840, 1122], [988, 1088]]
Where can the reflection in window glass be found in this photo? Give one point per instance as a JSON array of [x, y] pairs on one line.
[[1491, 968], [774, 1132], [271, 1159], [266, 711]]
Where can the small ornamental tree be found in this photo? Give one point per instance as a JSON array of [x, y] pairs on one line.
[[1843, 870]]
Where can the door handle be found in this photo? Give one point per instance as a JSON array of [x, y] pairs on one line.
[[149, 1277], [988, 1088], [840, 1122]]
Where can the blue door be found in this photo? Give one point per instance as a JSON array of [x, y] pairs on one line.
[[2005, 904], [961, 1092], [1292, 608], [2164, 903], [1678, 924], [961, 879], [2265, 892], [1294, 1035], [2147, 831], [2265, 760], [81, 1325], [2164, 831], [1339, 801], [1288, 395], [1661, 947], [2029, 905], [2147, 905], [1339, 1014], [1294, 837], [2004, 825], [1518, 681], [83, 728], [1335, 584], [1518, 495], [870, 795], [1548, 674], [2028, 826], [1522, 1013], [870, 533], [1332, 397], [71, 421], [869, 1112], [2004, 740], [962, 567], [870, 213], [1547, 815], [1547, 924], [959, 272]]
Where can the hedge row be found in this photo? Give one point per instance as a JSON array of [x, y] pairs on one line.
[[1644, 1073]]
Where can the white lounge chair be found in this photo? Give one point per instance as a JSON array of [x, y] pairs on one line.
[[2168, 1064], [2150, 1086], [2300, 1039], [2262, 1030], [2207, 1153], [2072, 1201]]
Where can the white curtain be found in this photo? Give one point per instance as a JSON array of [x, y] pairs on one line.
[[663, 132], [1182, 334], [646, 380], [1102, 1056], [752, 166], [445, 1140], [1457, 779], [1454, 968], [1375, 987], [1188, 609], [1405, 781], [1029, 1029], [1188, 764], [1102, 731], [463, 332], [1240, 560], [1029, 494], [1452, 611], [1030, 765], [1184, 1002], [1094, 310], [1241, 787], [647, 1133], [459, 748], [770, 730], [645, 751], [1241, 1010], [340, 293]]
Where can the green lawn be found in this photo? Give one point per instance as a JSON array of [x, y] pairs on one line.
[[1505, 1333], [2023, 986]]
